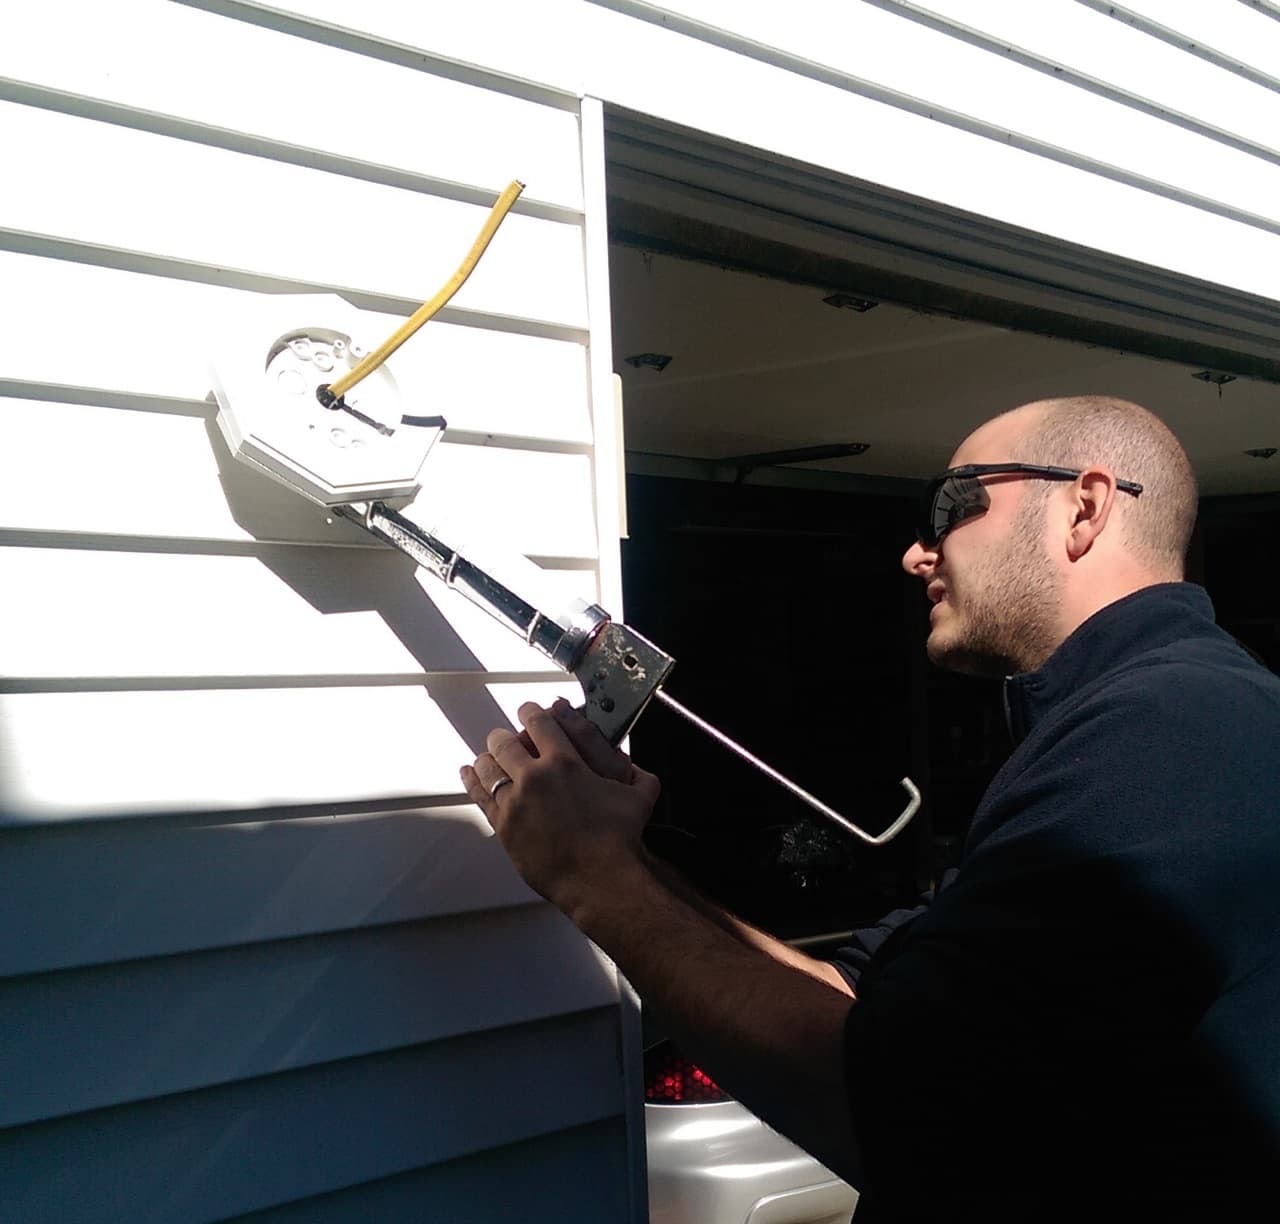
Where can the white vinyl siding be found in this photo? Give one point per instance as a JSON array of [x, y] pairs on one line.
[[868, 91], [261, 955], [302, 96], [275, 1138], [290, 222], [219, 885], [974, 85]]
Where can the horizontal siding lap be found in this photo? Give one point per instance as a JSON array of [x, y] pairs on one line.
[[80, 755], [93, 1038], [575, 1175], [509, 500], [1087, 41], [539, 43], [120, 472], [138, 473], [154, 336], [497, 383], [284, 220], [230, 1150], [757, 105], [383, 113], [95, 893], [509, 696], [1227, 33], [611, 55], [942, 71], [281, 612]]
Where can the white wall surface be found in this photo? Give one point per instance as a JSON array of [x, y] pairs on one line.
[[1091, 123], [261, 956]]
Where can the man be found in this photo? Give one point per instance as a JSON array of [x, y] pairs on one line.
[[1085, 1022]]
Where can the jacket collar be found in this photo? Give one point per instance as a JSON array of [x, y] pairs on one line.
[[1146, 620]]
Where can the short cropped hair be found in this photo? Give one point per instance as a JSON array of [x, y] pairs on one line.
[[1081, 430]]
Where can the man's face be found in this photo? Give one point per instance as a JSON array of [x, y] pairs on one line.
[[994, 589]]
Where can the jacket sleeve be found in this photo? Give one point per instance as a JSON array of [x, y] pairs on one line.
[[866, 943]]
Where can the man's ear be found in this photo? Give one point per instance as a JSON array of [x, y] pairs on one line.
[[1093, 495]]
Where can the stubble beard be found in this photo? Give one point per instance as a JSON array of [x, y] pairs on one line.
[[1003, 613]]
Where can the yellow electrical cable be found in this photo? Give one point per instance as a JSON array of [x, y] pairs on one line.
[[341, 386]]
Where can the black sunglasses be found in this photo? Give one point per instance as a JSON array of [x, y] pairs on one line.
[[958, 494]]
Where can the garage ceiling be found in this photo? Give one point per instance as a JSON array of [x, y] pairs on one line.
[[759, 364]]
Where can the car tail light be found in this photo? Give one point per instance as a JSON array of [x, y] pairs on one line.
[[671, 1079]]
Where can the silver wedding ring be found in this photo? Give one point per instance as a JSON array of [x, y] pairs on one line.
[[498, 785]]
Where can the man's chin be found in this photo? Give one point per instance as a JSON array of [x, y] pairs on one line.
[[950, 651], [942, 649]]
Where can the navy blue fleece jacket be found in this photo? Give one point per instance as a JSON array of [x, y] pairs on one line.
[[1085, 1022]]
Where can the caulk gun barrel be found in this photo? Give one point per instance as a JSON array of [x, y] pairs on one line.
[[500, 601], [564, 644]]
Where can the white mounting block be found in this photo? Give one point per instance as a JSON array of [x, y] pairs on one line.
[[265, 371]]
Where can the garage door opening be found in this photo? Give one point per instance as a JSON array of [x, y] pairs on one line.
[[774, 578]]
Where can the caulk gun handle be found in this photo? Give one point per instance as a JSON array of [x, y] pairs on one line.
[[619, 671]]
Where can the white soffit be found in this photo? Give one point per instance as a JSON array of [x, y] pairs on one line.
[[715, 184]]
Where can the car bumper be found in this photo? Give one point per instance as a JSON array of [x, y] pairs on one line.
[[719, 1164]]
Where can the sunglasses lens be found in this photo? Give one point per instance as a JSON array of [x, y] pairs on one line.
[[954, 499]]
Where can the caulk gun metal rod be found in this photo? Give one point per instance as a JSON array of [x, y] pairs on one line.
[[800, 793]]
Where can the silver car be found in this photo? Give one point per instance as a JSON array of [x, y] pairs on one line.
[[712, 1161]]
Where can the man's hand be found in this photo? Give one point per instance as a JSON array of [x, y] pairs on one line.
[[575, 808], [769, 1028]]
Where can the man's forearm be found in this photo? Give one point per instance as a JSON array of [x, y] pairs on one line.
[[572, 820], [744, 931], [769, 1031]]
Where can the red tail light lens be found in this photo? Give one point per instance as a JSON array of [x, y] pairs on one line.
[[671, 1079]]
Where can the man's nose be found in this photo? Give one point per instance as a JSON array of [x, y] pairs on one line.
[[919, 561]]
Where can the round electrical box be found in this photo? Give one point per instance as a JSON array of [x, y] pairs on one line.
[[366, 446]]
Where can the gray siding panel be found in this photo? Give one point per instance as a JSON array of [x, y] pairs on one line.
[[92, 1038], [259, 1143], [575, 1177], [92, 894]]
